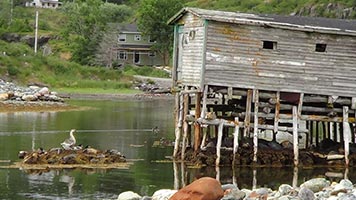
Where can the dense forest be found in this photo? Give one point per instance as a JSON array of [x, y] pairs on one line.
[[80, 31]]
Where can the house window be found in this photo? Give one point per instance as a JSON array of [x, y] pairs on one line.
[[137, 37], [122, 37], [269, 45], [152, 54], [151, 40], [122, 55], [320, 47]]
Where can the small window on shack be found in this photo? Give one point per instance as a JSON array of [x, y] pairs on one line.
[[122, 37], [270, 45], [320, 47]]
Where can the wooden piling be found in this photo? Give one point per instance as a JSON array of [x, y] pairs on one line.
[[218, 144], [179, 119], [248, 113], [236, 139], [346, 133], [185, 124], [276, 115], [255, 129], [197, 128], [295, 136]]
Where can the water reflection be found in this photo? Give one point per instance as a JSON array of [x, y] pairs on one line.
[[127, 127], [252, 178]]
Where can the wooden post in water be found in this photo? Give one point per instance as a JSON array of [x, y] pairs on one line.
[[236, 139], [218, 145], [295, 136], [346, 133], [248, 113], [179, 117], [255, 128], [197, 128], [185, 123]]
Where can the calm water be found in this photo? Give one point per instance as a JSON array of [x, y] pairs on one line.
[[125, 126]]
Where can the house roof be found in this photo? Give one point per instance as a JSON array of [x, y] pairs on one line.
[[310, 24], [128, 28]]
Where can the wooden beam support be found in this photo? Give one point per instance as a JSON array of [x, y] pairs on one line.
[[248, 113], [185, 124], [197, 128], [218, 144], [179, 119], [255, 129], [295, 136], [347, 134], [236, 139], [276, 115], [203, 110]]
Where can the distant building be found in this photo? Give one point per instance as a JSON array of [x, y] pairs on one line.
[[44, 4], [134, 48]]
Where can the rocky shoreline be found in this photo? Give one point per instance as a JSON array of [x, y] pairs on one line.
[[210, 189], [39, 98]]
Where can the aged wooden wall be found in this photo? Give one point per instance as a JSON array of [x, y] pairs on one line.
[[235, 57]]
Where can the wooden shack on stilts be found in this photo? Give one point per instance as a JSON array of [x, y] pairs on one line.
[[264, 82]]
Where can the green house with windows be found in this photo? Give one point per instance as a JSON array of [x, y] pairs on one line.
[[134, 48]]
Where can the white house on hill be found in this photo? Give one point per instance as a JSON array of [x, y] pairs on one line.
[[44, 4]]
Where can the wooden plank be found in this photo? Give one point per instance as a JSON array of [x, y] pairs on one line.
[[248, 113], [197, 128], [218, 145], [295, 136], [255, 129], [347, 134]]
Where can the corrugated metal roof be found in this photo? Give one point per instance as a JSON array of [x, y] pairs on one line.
[[313, 24]]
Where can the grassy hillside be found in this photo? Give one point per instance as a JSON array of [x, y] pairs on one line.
[[20, 64], [319, 8]]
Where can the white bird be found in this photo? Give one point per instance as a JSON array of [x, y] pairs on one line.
[[70, 142]]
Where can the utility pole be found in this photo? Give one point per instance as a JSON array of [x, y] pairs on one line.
[[11, 10], [36, 31]]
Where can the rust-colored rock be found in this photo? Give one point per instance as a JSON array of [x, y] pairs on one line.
[[205, 188]]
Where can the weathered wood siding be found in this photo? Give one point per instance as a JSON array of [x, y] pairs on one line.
[[235, 57], [191, 48]]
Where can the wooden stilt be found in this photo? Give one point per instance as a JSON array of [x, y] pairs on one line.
[[254, 179], [179, 119], [236, 139], [203, 110], [248, 113], [185, 124], [217, 171], [176, 176], [346, 133], [307, 135], [218, 145], [276, 115], [202, 144], [255, 129], [337, 132], [317, 132], [331, 130], [295, 177], [326, 130], [295, 136], [197, 128]]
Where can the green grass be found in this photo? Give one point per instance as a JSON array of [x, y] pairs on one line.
[[96, 91]]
